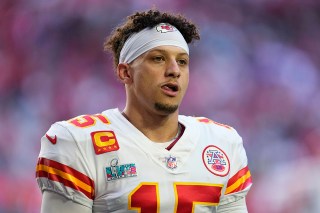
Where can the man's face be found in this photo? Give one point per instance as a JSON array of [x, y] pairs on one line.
[[160, 78]]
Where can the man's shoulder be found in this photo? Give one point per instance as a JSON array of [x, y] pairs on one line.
[[81, 127], [81, 134], [88, 122], [205, 124]]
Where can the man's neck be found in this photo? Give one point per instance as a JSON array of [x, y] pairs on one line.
[[157, 127]]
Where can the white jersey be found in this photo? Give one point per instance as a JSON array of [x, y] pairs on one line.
[[102, 161]]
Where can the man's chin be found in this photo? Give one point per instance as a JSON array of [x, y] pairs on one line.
[[166, 108]]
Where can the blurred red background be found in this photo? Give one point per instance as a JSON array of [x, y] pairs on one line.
[[255, 68]]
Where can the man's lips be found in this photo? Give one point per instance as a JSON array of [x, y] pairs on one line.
[[170, 89]]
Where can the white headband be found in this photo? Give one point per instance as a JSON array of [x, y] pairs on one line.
[[148, 38]]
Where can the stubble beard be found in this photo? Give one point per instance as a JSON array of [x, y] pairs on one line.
[[166, 108]]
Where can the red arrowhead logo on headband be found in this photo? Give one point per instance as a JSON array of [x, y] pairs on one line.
[[164, 28]]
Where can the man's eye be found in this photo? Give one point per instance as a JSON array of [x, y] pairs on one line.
[[158, 58], [182, 61]]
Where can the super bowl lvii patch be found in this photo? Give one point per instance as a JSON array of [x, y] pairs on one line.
[[115, 171]]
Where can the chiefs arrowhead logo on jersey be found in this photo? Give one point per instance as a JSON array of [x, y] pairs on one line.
[[104, 141], [216, 161]]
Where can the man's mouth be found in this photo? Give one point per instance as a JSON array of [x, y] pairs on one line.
[[170, 89]]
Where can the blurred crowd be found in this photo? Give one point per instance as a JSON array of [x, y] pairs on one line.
[[256, 68]]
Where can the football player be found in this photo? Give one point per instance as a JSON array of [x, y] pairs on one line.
[[146, 157]]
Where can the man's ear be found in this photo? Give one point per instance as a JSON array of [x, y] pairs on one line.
[[124, 74]]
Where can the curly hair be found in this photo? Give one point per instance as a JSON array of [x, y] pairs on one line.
[[147, 19]]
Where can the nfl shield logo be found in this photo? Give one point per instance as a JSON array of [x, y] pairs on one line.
[[171, 162]]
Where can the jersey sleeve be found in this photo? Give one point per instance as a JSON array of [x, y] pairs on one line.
[[240, 180], [62, 167], [238, 206]]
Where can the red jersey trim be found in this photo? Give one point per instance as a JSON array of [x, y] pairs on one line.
[[66, 175], [176, 140], [241, 180]]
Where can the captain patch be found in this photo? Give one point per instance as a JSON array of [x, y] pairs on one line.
[[216, 161], [104, 141]]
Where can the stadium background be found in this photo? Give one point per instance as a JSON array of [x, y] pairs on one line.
[[256, 68]]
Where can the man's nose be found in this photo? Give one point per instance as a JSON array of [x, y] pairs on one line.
[[173, 69]]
